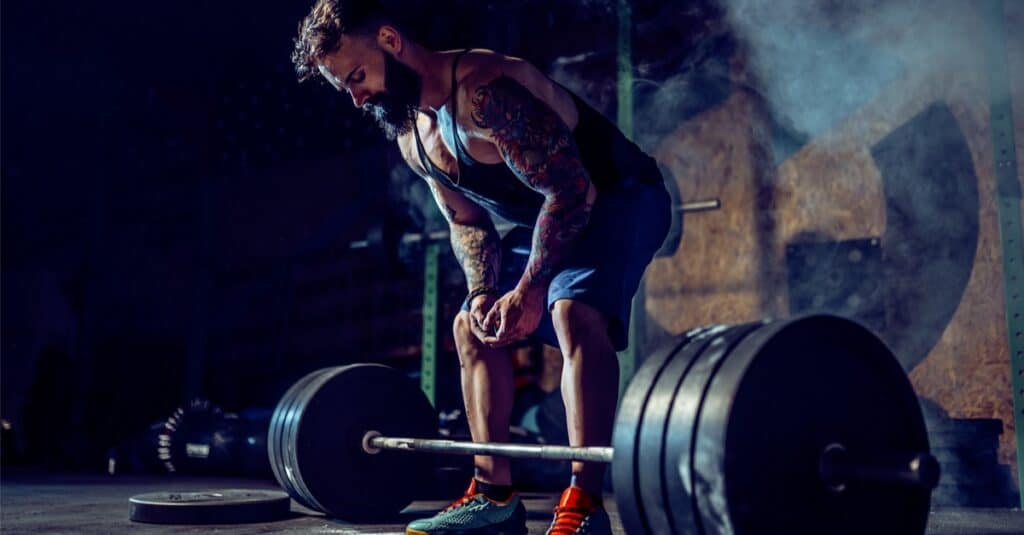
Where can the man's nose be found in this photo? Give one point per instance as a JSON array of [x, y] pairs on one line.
[[360, 98]]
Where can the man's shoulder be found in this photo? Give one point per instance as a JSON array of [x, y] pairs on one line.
[[481, 64], [484, 67], [480, 67]]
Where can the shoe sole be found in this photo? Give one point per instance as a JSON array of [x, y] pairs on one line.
[[486, 531]]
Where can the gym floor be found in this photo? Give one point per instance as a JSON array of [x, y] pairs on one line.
[[36, 503]]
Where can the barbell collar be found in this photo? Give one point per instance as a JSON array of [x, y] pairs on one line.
[[373, 443]]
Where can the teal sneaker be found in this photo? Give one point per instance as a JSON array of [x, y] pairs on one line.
[[474, 514]]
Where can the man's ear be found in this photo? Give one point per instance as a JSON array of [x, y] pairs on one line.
[[389, 38]]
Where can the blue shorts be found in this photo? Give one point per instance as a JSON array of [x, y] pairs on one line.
[[627, 226]]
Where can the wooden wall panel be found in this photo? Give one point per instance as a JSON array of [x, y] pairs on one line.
[[711, 278], [730, 264]]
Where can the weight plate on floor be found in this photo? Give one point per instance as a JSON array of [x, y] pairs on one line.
[[323, 445], [627, 428], [227, 506], [786, 392]]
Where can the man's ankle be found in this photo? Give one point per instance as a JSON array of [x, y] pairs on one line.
[[592, 493], [493, 491]]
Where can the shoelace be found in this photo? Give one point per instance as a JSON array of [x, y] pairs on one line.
[[568, 520], [460, 502]]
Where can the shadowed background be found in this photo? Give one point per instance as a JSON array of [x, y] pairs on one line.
[[176, 210]]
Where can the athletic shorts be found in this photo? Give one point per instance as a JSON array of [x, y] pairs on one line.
[[627, 226]]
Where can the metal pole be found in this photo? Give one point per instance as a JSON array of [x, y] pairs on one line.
[[373, 443], [1009, 195], [637, 313], [428, 345]]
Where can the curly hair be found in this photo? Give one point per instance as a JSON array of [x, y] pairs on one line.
[[320, 32]]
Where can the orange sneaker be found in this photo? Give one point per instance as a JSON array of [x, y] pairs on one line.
[[579, 513]]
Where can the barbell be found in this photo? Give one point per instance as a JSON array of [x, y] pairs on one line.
[[376, 239], [802, 426]]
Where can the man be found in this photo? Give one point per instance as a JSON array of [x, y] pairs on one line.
[[490, 132]]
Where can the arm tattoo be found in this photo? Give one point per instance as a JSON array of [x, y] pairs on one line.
[[539, 148], [477, 248], [477, 251]]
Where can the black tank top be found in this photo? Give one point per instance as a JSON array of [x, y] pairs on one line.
[[609, 157]]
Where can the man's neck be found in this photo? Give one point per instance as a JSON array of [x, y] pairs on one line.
[[433, 68]]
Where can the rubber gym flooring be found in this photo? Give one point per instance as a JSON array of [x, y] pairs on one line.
[[35, 503]]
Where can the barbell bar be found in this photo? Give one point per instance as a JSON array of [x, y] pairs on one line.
[[414, 237], [837, 469], [374, 442]]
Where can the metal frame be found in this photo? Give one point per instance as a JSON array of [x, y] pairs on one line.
[[627, 358], [428, 346], [1009, 194]]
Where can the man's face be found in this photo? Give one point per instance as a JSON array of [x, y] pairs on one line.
[[379, 84]]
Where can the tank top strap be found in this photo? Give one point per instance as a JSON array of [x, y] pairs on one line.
[[426, 162], [459, 148]]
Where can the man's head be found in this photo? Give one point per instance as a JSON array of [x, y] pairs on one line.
[[354, 45]]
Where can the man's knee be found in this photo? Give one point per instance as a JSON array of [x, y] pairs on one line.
[[573, 319], [462, 330]]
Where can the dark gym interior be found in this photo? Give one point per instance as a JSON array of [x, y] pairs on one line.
[[206, 263]]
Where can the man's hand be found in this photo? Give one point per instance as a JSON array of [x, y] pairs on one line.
[[514, 317], [478, 309]]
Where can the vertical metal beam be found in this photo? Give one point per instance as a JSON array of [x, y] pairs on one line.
[[625, 68], [1009, 194], [627, 358], [428, 346]]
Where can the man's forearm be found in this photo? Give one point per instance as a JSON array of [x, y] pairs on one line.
[[562, 218], [478, 250]]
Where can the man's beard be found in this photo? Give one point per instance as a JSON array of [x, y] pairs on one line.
[[395, 108]]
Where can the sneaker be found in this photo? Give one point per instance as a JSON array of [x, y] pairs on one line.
[[474, 514], [579, 513]]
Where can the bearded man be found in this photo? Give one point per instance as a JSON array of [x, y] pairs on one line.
[[491, 133]]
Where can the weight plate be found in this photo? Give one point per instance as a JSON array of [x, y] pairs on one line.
[[284, 413], [785, 393], [678, 492], [626, 433], [227, 506], [323, 446], [274, 435], [290, 431], [651, 438]]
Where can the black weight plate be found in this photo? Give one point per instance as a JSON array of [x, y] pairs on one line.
[[289, 432], [679, 490], [323, 447], [626, 433], [651, 436], [227, 506], [274, 434], [784, 394], [284, 413]]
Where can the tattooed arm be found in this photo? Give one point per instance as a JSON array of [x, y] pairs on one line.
[[539, 148], [475, 241]]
